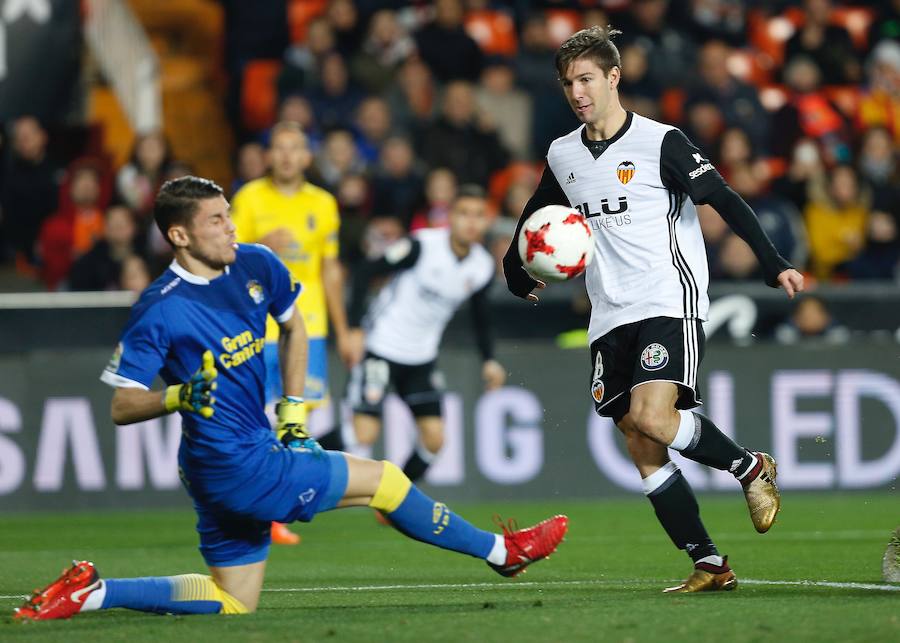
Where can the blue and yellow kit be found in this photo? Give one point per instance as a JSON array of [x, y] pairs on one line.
[[239, 476]]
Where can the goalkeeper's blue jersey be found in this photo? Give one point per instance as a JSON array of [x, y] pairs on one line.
[[181, 315]]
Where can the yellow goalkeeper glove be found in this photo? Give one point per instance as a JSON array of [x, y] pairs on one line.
[[290, 427], [195, 395]]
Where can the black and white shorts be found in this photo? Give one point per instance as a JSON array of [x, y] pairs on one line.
[[420, 386], [659, 349]]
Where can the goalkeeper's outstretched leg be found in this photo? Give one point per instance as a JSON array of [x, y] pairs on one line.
[[234, 584]]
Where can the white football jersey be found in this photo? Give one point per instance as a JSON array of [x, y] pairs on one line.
[[406, 320], [649, 255]]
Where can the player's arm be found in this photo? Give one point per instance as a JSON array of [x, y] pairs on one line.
[[333, 284], [400, 255], [492, 372], [292, 353], [519, 282], [131, 404], [684, 170]]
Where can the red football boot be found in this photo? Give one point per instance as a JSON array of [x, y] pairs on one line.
[[281, 535], [526, 546], [63, 597]]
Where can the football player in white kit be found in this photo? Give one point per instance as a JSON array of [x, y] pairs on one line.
[[433, 273], [637, 181]]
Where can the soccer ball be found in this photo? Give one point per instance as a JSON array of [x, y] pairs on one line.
[[556, 243]]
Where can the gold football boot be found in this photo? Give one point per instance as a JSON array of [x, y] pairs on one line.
[[763, 497], [707, 578]]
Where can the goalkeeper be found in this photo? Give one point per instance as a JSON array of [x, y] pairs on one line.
[[201, 327]]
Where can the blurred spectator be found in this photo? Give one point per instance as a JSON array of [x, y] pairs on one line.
[[397, 184], [737, 101], [413, 98], [704, 123], [446, 47], [135, 275], [535, 73], [139, 180], [880, 104], [386, 47], [880, 258], [29, 188], [373, 126], [715, 19], [805, 163], [508, 108], [295, 108], [303, 60], [78, 223], [637, 90], [491, 26], [348, 29], [811, 319], [809, 113], [334, 100], [670, 52], [886, 25], [251, 164], [338, 158], [440, 189], [100, 268], [828, 45], [458, 140], [836, 220], [878, 167]]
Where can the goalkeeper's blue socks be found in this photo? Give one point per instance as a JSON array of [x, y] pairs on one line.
[[418, 516], [185, 594]]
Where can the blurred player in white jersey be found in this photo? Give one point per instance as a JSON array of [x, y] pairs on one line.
[[637, 182], [433, 272]]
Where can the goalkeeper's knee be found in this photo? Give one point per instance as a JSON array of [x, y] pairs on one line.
[[392, 489]]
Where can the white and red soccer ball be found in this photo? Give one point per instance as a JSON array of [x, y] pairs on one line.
[[556, 243]]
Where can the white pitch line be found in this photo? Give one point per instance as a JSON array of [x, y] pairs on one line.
[[562, 583]]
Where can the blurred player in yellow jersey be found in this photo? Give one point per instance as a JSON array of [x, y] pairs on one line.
[[299, 222]]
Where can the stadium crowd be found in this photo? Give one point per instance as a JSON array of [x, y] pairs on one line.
[[797, 106]]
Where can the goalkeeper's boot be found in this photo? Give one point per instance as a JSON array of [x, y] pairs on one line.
[[707, 578], [526, 546], [281, 535], [761, 492], [62, 598]]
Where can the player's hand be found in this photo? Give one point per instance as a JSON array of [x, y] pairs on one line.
[[493, 374], [290, 425], [351, 347], [278, 240], [195, 395], [791, 281], [519, 282]]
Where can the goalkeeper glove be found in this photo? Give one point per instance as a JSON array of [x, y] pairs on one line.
[[195, 395], [290, 427]]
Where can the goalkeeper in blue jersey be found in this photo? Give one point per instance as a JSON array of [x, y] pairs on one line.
[[201, 327]]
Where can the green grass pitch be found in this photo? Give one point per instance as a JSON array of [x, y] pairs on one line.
[[353, 580]]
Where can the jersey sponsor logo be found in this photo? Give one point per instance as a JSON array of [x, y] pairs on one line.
[[116, 359], [654, 357], [255, 291], [625, 171], [571, 178], [620, 207], [240, 349], [698, 159], [703, 169]]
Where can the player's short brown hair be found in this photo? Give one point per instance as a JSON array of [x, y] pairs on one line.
[[177, 201], [593, 43]]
